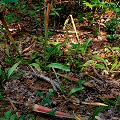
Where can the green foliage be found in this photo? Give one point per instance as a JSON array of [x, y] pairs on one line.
[[111, 28], [59, 66], [103, 63], [51, 112], [1, 96], [55, 49], [46, 98], [80, 48], [9, 116], [113, 103], [10, 1], [96, 112], [8, 73], [55, 11], [30, 116], [37, 66], [98, 5], [12, 69], [39, 93], [76, 89]]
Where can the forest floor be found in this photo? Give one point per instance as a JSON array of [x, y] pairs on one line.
[[19, 93]]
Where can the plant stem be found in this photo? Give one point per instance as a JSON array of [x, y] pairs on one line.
[[46, 22], [9, 33]]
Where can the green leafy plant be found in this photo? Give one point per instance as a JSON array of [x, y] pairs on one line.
[[55, 50], [59, 66], [1, 96], [97, 4], [80, 48], [113, 103], [10, 1], [46, 98], [111, 28], [110, 63], [8, 73], [9, 116], [76, 89], [103, 65], [96, 112]]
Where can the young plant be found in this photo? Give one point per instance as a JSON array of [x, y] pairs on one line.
[[80, 48], [111, 28], [46, 98], [113, 103], [96, 112], [8, 73], [9, 116], [103, 65], [76, 89]]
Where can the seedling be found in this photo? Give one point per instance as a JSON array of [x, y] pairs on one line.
[[46, 98], [8, 73], [76, 89], [80, 48]]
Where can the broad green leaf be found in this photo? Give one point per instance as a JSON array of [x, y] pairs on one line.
[[3, 119], [84, 46], [74, 45], [46, 101], [10, 1], [114, 65], [88, 4], [116, 48], [37, 66], [39, 93], [56, 47], [75, 90], [13, 117], [1, 96], [16, 75], [8, 114], [96, 112], [30, 116], [110, 102], [12, 69], [51, 112], [101, 59], [99, 66], [35, 56], [88, 63], [21, 118], [59, 66], [2, 75], [53, 43], [54, 13], [118, 99], [49, 95], [80, 82], [117, 66]]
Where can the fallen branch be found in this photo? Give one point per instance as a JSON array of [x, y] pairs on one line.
[[42, 76]]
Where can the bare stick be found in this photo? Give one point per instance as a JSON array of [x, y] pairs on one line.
[[78, 40]]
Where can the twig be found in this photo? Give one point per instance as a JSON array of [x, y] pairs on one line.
[[74, 28], [11, 101], [56, 77], [42, 76], [97, 80]]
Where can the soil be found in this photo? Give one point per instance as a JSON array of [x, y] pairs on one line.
[[20, 93]]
